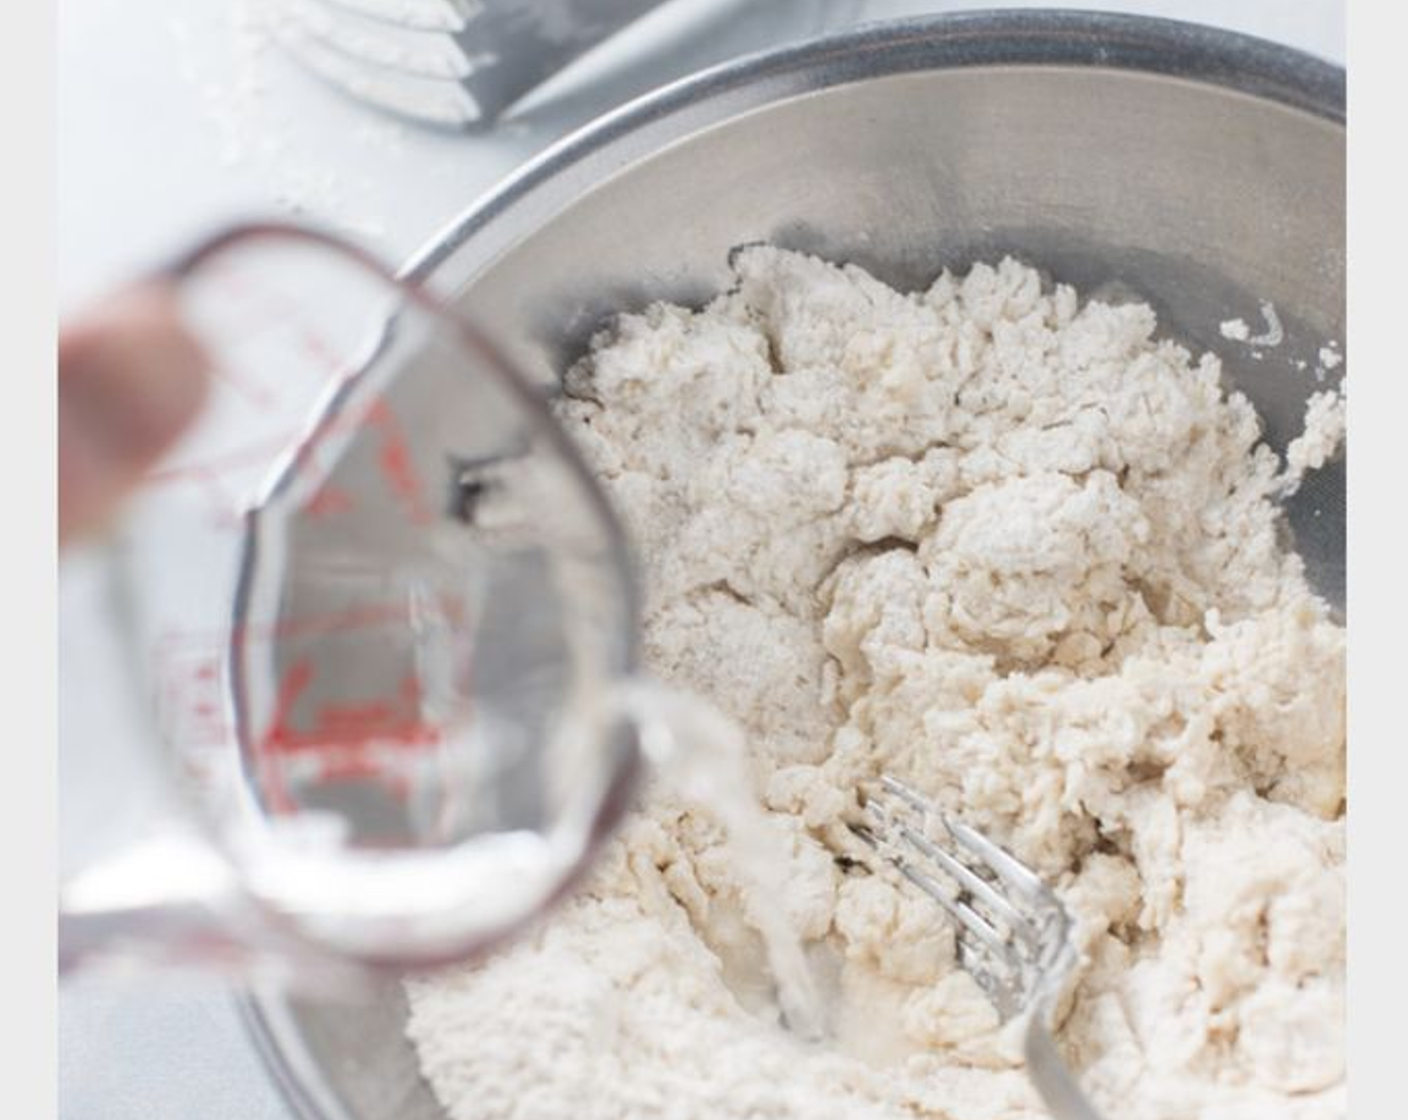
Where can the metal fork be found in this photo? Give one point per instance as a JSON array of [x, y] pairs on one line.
[[1014, 934], [455, 63]]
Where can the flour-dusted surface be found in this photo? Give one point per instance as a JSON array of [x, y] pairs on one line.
[[1015, 551]]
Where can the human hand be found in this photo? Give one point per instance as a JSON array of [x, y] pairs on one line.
[[130, 380]]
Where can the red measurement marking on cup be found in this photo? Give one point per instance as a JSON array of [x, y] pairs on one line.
[[221, 478], [378, 722], [386, 614], [190, 702], [225, 476], [266, 310], [328, 501], [305, 745], [255, 394], [349, 740], [322, 354], [397, 464], [223, 463]]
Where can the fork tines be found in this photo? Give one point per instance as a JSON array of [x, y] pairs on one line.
[[1005, 913]]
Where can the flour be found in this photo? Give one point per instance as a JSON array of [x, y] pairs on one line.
[[237, 79], [1314, 447], [1023, 555], [1274, 333], [1235, 330], [1328, 359]]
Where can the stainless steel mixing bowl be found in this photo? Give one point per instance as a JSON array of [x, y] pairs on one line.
[[1202, 170]]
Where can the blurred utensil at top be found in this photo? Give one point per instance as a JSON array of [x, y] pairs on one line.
[[456, 63]]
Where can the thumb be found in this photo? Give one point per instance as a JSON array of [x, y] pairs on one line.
[[130, 379]]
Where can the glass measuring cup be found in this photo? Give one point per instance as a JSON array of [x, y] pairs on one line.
[[375, 607]]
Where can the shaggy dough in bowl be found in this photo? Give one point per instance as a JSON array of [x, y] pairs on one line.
[[1019, 552]]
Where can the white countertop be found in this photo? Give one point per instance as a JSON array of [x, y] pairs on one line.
[[175, 115]]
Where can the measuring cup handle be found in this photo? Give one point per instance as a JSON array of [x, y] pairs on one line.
[[167, 900]]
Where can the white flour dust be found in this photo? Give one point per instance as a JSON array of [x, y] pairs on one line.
[[1235, 329], [1320, 441], [1014, 550], [244, 84]]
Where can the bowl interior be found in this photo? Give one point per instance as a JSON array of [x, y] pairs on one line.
[[1119, 156]]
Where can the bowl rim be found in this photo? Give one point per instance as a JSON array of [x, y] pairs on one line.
[[1018, 37], [1021, 37]]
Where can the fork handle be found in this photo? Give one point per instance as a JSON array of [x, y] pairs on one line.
[[1051, 1076]]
